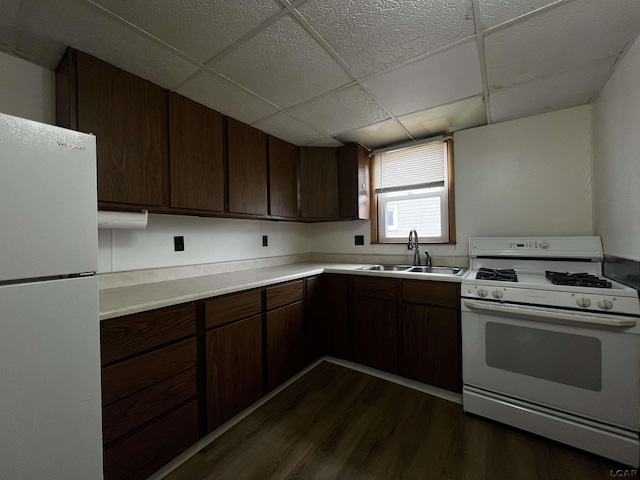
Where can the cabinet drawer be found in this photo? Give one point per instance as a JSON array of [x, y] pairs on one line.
[[132, 375], [143, 453], [222, 310], [384, 288], [126, 336], [440, 294], [285, 294], [130, 413]]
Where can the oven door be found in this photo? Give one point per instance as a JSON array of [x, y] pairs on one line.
[[582, 369]]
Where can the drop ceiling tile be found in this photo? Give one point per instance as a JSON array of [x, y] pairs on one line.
[[568, 89], [325, 142], [495, 12], [434, 80], [288, 129], [225, 97], [375, 136], [565, 37], [83, 26], [452, 117], [200, 29], [340, 111], [374, 35], [283, 64]]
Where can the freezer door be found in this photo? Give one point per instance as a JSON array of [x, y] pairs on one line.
[[48, 203], [50, 405]]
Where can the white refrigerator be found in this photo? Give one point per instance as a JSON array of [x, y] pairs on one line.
[[50, 404]]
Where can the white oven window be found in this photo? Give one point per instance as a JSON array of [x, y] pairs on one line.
[[565, 358]]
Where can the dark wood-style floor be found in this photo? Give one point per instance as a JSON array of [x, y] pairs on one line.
[[336, 423]]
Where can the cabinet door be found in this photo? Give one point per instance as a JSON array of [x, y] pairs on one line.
[[234, 369], [328, 317], [353, 188], [318, 183], [375, 333], [285, 343], [283, 178], [196, 155], [247, 169], [128, 116], [430, 346]]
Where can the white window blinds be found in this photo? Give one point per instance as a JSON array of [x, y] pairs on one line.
[[412, 168]]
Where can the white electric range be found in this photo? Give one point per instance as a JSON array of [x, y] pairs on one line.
[[550, 346]]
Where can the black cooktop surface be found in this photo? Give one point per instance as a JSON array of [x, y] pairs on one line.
[[577, 279], [499, 274]]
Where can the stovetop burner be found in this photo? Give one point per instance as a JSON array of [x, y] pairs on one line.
[[499, 274], [577, 279]]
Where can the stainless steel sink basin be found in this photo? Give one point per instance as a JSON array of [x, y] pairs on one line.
[[408, 268], [387, 268], [438, 270]]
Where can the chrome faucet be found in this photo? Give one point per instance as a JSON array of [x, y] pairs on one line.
[[427, 259], [412, 244]]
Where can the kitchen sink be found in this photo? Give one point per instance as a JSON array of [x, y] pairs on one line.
[[438, 270], [387, 268], [456, 271]]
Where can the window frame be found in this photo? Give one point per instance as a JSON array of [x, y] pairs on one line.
[[448, 219]]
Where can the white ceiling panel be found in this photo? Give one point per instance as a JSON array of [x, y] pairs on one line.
[[283, 64], [568, 89], [495, 12], [345, 109], [288, 129], [374, 35], [225, 97], [455, 116], [9, 12], [565, 37], [377, 135], [434, 80], [324, 142], [201, 29], [83, 26]]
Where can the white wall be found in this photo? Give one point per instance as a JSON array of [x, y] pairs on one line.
[[530, 176], [26, 90], [616, 139], [207, 240]]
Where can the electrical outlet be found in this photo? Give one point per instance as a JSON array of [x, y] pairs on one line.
[[178, 244], [265, 241], [359, 239]]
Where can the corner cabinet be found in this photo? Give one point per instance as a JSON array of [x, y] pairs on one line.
[[283, 179], [128, 116], [353, 188], [319, 183], [197, 155], [247, 169]]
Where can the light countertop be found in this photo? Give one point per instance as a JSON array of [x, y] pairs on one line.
[[119, 301]]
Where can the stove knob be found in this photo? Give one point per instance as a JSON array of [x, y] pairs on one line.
[[605, 304], [497, 293], [482, 292], [544, 245], [583, 302]]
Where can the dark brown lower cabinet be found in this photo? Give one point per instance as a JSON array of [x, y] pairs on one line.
[[144, 452], [328, 316], [430, 348], [375, 333], [285, 343], [234, 369]]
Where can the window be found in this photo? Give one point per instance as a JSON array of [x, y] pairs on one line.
[[413, 191]]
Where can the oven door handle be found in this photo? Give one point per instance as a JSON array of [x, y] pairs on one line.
[[549, 315]]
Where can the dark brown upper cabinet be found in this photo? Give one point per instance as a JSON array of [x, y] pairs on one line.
[[319, 183], [283, 178], [128, 116], [247, 169], [353, 175], [196, 155]]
